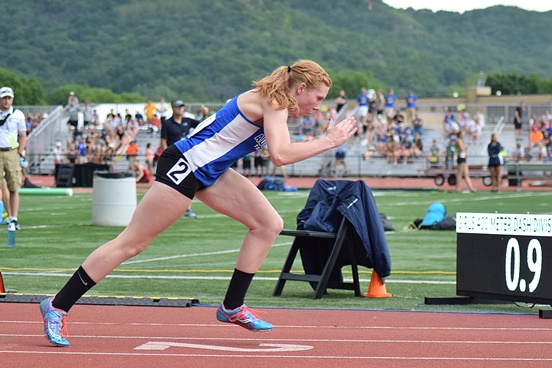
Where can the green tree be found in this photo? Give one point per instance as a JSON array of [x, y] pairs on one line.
[[512, 83], [27, 91]]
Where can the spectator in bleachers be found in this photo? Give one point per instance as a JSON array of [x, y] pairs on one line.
[[308, 127], [70, 151], [417, 146], [547, 144], [449, 115], [72, 98], [372, 109], [451, 128], [527, 154], [381, 103], [150, 109], [398, 118], [132, 150], [29, 121], [410, 99], [475, 133], [155, 124], [80, 147], [163, 111], [390, 99], [87, 114], [539, 151], [369, 137], [72, 108], [417, 125], [133, 127], [479, 117], [59, 154], [518, 153], [434, 154], [391, 150], [341, 100], [149, 157], [518, 120], [362, 108], [139, 118], [405, 149], [535, 135]]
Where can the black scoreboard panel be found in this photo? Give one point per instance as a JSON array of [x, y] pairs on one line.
[[509, 267]]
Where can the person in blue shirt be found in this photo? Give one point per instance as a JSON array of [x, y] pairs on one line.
[[389, 111], [362, 105], [200, 166], [410, 107]]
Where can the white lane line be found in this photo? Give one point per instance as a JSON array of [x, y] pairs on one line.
[[214, 278], [257, 356], [194, 255]]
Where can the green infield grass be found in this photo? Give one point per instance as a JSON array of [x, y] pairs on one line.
[[195, 258]]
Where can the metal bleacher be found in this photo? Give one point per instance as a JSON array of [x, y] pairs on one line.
[[52, 129]]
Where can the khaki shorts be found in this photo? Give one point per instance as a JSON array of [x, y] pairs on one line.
[[9, 164]]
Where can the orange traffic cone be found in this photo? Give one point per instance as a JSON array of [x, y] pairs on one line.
[[2, 289], [376, 288]]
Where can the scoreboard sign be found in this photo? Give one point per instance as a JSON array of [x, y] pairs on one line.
[[504, 257]]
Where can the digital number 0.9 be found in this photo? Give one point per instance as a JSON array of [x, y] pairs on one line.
[[512, 269]]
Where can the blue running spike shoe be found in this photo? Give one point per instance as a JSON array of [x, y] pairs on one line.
[[55, 327], [244, 317]]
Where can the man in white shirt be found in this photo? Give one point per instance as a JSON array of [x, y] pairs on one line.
[[13, 138]]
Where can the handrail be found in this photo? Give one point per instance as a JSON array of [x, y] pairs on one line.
[[499, 126]]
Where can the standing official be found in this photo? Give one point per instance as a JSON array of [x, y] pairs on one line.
[[13, 138]]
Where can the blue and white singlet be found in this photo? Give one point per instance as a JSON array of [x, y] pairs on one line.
[[220, 141]]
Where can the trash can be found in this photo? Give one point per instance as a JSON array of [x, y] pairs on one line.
[[113, 198]]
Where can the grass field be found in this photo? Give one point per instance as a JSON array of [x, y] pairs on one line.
[[195, 258]]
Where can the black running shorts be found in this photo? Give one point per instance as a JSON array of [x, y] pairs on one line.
[[173, 170]]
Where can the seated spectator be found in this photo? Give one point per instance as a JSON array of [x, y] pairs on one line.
[[417, 146], [308, 125], [451, 129], [139, 118], [391, 150], [539, 151], [417, 125], [405, 149], [535, 135], [132, 150], [475, 133], [434, 154], [143, 175], [518, 153], [369, 153], [155, 124], [59, 154]]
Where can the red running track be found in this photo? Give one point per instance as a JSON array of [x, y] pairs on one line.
[[121, 336]]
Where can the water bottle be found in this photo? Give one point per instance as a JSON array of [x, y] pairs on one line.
[[11, 236]]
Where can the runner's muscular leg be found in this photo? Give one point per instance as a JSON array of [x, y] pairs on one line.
[[235, 196], [158, 209]]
